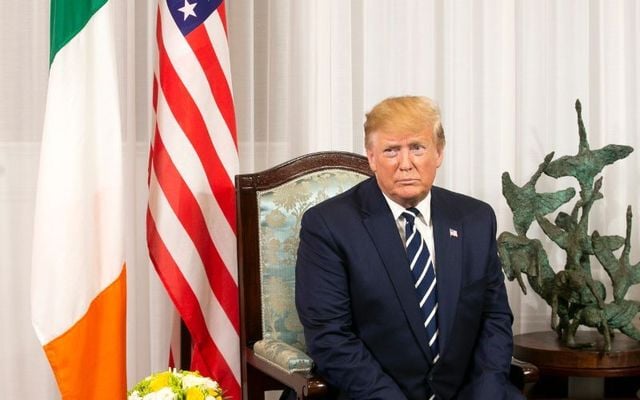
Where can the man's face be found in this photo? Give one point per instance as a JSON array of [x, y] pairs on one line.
[[404, 163]]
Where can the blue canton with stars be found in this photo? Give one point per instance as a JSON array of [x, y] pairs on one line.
[[189, 14]]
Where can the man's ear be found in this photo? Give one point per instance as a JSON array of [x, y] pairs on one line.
[[440, 157]]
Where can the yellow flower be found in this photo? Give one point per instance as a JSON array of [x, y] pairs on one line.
[[159, 381], [194, 393]]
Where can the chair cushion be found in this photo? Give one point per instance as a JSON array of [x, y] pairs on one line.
[[283, 356], [280, 211]]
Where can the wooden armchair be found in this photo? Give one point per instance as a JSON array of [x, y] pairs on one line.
[[270, 205]]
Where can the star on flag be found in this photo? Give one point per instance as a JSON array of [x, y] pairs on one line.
[[188, 9]]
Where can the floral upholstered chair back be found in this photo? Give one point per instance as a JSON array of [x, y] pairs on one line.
[[280, 211], [270, 205]]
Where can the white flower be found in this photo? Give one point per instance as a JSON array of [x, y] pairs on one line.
[[190, 380], [162, 394], [135, 396]]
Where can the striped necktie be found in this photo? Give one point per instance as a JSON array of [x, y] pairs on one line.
[[424, 276]]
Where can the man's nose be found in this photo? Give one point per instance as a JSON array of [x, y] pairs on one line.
[[405, 163]]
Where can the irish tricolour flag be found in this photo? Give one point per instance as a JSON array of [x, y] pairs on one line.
[[78, 274]]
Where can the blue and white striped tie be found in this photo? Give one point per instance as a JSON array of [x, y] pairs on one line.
[[424, 276]]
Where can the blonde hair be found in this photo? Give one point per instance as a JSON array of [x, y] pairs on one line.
[[405, 113]]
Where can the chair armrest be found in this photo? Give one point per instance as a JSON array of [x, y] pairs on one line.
[[283, 355], [523, 374], [306, 384]]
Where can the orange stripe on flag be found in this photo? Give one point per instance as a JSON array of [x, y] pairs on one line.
[[98, 337]]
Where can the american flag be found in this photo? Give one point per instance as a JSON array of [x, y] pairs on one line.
[[191, 222]]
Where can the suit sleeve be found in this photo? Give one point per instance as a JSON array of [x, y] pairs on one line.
[[324, 307], [491, 360]]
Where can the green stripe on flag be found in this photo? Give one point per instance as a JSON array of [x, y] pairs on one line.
[[68, 17]]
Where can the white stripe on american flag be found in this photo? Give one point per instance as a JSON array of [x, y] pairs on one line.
[[188, 166], [191, 214], [218, 38]]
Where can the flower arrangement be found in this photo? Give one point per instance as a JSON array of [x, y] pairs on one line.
[[176, 385]]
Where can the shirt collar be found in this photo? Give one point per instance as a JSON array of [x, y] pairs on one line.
[[424, 206]]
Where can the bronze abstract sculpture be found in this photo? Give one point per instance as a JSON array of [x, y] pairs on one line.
[[575, 297]]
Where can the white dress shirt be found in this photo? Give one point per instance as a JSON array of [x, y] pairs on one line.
[[423, 222]]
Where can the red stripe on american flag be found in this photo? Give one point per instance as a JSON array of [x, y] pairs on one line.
[[223, 15], [191, 220], [186, 208], [189, 117], [188, 307]]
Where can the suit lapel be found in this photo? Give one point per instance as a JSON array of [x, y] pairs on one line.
[[448, 237], [382, 228]]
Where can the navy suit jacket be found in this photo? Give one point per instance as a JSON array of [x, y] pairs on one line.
[[357, 303]]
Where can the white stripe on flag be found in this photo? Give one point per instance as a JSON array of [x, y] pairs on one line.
[[218, 38]]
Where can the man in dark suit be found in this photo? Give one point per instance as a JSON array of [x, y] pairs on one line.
[[398, 283]]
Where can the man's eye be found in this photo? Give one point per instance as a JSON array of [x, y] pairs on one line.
[[390, 152], [417, 150]]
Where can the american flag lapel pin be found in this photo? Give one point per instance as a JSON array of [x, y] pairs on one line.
[[453, 233]]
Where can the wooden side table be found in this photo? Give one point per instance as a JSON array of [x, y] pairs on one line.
[[585, 368]]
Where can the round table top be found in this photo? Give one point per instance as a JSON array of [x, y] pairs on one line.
[[544, 350]]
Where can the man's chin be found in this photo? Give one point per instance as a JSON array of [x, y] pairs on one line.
[[409, 198]]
